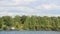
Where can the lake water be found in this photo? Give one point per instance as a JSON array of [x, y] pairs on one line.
[[29, 32]]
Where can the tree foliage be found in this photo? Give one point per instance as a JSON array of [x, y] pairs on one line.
[[30, 23]]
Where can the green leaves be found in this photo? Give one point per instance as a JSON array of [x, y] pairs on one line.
[[30, 23]]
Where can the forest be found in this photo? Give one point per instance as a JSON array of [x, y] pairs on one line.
[[34, 23]]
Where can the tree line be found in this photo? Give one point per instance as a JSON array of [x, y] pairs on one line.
[[35, 23]]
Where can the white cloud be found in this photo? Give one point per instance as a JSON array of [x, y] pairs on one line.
[[50, 15], [55, 15], [22, 8], [25, 0], [7, 3], [3, 13], [47, 6], [29, 0], [26, 9], [12, 14], [15, 2], [8, 13], [6, 10]]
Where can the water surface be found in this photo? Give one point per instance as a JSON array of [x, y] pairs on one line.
[[29, 32]]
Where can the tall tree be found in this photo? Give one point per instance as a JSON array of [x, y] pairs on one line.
[[17, 22]]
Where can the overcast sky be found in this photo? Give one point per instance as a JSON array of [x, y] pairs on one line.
[[30, 7]]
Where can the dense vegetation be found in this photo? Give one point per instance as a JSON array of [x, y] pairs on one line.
[[30, 23]]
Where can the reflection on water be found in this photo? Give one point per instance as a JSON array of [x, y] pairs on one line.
[[29, 32]]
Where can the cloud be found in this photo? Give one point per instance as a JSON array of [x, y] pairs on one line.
[[47, 6], [8, 3], [26, 9], [12, 14], [56, 15], [24, 1], [29, 0], [15, 2], [29, 7], [8, 13], [22, 8]]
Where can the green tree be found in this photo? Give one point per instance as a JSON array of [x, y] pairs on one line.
[[6, 22], [17, 22]]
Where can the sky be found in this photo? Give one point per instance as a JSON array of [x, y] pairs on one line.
[[30, 7]]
